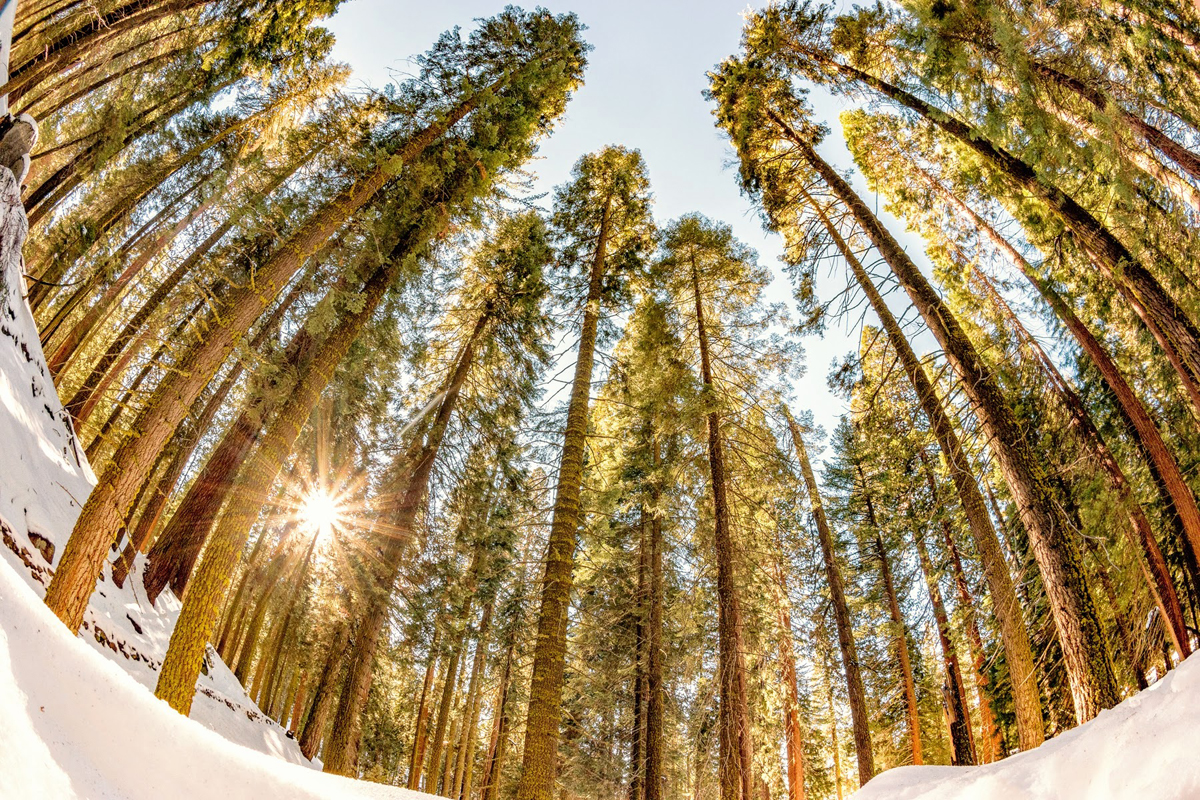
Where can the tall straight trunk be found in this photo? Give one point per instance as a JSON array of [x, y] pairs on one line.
[[833, 738], [342, 755], [292, 723], [544, 714], [990, 744], [1089, 668], [443, 784], [498, 745], [416, 758], [793, 728], [449, 684], [466, 749], [841, 612], [655, 689], [737, 769], [954, 692], [101, 516], [326, 693], [1141, 536], [899, 628], [637, 752], [1014, 636], [1141, 425], [1114, 260]]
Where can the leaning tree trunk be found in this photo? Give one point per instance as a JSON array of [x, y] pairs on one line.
[[544, 713], [1015, 638], [841, 613], [1137, 418], [314, 725], [1089, 667], [991, 748], [737, 769], [1114, 260], [899, 628], [102, 514], [1141, 538]]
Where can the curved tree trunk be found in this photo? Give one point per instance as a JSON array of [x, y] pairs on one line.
[[1089, 668], [1015, 638], [841, 612]]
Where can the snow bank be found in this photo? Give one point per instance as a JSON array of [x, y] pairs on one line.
[[1143, 748], [76, 725], [78, 718]]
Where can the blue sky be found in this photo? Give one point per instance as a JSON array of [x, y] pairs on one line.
[[642, 89]]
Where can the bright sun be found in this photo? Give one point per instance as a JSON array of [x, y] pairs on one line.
[[321, 511]]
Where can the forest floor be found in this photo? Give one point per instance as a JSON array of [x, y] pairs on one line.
[[78, 718]]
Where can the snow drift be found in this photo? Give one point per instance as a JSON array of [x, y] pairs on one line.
[[78, 718], [1146, 747]]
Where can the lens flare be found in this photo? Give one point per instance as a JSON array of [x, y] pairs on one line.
[[321, 511]]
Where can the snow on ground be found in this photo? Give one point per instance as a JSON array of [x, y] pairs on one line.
[[1146, 747], [77, 714], [78, 718]]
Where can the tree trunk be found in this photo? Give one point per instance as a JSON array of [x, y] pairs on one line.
[[1089, 668], [841, 612], [417, 757], [80, 403], [1112, 257], [899, 628], [449, 684], [497, 747], [101, 516], [954, 692], [991, 745], [737, 769], [1141, 537], [314, 725], [637, 753], [550, 652], [793, 728], [1137, 418], [466, 749], [342, 755], [1015, 638]]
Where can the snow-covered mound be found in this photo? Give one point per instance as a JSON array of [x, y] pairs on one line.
[[1146, 747], [73, 724], [77, 714]]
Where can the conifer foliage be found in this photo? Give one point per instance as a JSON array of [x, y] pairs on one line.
[[495, 495]]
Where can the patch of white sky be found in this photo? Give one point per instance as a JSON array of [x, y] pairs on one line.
[[643, 89]]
